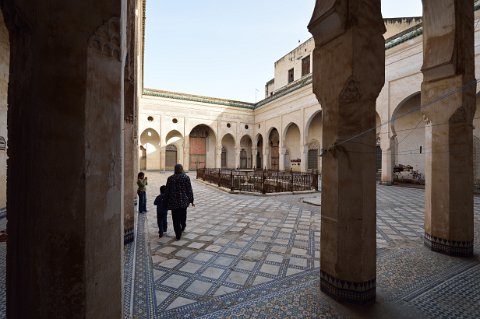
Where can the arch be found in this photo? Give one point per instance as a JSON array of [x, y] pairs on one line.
[[170, 157], [308, 123], [292, 143], [150, 141], [228, 143], [207, 127], [202, 141], [288, 127], [414, 97], [173, 137], [408, 127], [246, 145], [274, 143]]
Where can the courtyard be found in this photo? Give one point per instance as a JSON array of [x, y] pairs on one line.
[[245, 256]]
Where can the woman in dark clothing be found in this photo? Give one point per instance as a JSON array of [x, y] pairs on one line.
[[179, 196]]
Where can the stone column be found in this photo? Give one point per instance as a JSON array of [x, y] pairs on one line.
[[130, 150], [386, 145], [266, 157], [186, 153], [163, 156], [65, 187], [348, 74], [449, 67], [128, 181], [281, 159], [218, 156], [237, 157], [304, 162], [254, 156]]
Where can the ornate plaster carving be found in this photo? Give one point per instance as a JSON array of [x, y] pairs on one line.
[[106, 39]]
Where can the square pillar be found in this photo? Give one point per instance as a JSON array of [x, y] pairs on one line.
[[448, 104], [348, 74]]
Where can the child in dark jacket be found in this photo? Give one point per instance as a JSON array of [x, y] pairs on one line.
[[162, 210]]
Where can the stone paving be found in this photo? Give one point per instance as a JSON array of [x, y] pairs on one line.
[[246, 256]]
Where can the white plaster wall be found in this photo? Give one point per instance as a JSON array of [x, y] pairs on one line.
[[292, 60], [4, 71]]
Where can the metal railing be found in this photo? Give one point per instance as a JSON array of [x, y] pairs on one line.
[[260, 181]]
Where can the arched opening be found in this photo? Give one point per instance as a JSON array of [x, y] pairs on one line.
[[274, 141], [292, 145], [228, 142], [170, 157], [313, 155], [224, 157], [259, 155], [243, 159], [173, 140], [314, 141], [150, 140], [202, 147], [246, 152], [409, 127]]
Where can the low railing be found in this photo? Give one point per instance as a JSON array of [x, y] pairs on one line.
[[260, 181]]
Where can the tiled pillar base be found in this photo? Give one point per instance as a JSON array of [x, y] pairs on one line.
[[351, 292], [128, 236], [449, 247]]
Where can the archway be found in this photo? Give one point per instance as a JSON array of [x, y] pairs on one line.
[[150, 140], [292, 146], [259, 155], [173, 151], [409, 127], [228, 143], [170, 156], [202, 147], [274, 141], [246, 152], [314, 141]]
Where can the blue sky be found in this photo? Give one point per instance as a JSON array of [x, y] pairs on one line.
[[227, 49]]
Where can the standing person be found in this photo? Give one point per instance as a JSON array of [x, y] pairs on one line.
[[142, 192], [162, 211], [179, 196]]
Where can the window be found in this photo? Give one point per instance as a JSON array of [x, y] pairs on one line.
[[150, 119], [290, 75], [3, 143], [306, 65], [175, 121]]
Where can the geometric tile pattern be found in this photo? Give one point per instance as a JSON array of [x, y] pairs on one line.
[[237, 245], [232, 243], [442, 301], [248, 256]]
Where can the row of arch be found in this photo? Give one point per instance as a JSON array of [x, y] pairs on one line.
[[200, 148]]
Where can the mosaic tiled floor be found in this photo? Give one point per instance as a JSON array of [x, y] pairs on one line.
[[257, 257]]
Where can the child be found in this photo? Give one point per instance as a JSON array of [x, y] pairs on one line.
[[142, 192], [161, 203]]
